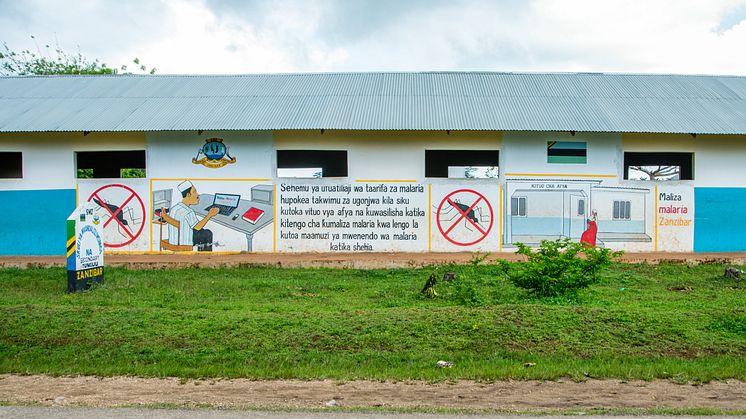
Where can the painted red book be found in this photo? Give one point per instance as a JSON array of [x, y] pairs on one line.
[[253, 215]]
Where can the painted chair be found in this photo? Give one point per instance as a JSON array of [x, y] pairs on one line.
[[165, 244]]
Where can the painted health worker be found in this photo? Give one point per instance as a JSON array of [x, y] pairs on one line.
[[184, 228], [589, 235]]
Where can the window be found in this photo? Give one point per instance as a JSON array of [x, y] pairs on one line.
[[567, 152], [462, 164], [621, 210], [518, 206], [581, 206], [311, 163], [11, 165], [658, 166], [110, 164]]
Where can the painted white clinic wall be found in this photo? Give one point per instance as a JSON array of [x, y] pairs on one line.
[[374, 158], [718, 159], [525, 153], [170, 154], [49, 158], [122, 206], [387, 155]]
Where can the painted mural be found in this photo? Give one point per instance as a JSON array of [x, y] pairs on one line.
[[123, 206], [212, 215], [465, 216], [630, 216], [241, 215], [326, 216]]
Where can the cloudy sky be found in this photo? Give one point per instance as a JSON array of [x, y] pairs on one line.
[[260, 36]]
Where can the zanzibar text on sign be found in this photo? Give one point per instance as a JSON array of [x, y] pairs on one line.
[[353, 217]]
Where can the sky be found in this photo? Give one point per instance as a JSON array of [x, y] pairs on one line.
[[281, 36]]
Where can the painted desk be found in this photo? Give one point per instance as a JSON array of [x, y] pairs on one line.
[[239, 224]]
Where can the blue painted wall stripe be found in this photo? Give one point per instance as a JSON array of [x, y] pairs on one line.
[[34, 222], [719, 219]]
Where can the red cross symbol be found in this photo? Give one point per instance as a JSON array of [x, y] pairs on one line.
[[468, 209], [104, 196]]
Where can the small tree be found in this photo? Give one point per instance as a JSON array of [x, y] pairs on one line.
[[556, 268], [54, 60], [658, 172]]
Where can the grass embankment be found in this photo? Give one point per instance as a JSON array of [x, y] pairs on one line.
[[666, 321]]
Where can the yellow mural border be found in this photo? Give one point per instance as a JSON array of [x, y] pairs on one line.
[[429, 216], [274, 219], [203, 179], [655, 209], [561, 175], [386, 181], [500, 244], [150, 199]]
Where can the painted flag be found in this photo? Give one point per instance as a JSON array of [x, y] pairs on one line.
[[571, 152]]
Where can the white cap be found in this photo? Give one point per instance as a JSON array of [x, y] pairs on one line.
[[185, 186]]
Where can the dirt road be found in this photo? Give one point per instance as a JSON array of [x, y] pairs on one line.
[[501, 395], [338, 260]]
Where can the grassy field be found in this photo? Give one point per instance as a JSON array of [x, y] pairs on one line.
[[643, 321]]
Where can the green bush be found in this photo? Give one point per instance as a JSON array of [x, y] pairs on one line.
[[468, 287], [557, 267]]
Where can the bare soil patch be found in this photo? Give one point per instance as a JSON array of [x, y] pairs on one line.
[[502, 395], [338, 260]]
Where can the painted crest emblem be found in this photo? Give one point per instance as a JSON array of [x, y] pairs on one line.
[[214, 153]]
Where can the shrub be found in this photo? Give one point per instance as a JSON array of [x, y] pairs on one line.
[[466, 289], [557, 269]]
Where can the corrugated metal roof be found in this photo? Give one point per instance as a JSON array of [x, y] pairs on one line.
[[377, 101]]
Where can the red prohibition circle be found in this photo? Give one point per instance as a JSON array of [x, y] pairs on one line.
[[113, 215], [480, 197]]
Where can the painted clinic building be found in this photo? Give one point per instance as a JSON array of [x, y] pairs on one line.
[[376, 162]]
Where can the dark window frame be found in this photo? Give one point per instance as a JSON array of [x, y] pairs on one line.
[[108, 164], [685, 160], [11, 165], [334, 163], [437, 162]]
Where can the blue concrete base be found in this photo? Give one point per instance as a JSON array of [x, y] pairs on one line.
[[34, 221]]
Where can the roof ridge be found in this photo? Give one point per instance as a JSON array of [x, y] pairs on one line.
[[382, 73]]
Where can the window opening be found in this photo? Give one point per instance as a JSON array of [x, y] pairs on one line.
[[311, 163], [462, 164], [110, 164], [11, 165], [658, 166]]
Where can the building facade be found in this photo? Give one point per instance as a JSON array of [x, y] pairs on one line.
[[381, 162]]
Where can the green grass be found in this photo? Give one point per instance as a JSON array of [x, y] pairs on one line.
[[373, 324]]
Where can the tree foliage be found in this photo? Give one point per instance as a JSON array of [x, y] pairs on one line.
[[659, 172], [51, 60]]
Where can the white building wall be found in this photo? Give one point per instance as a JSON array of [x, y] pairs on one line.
[[525, 153], [382, 155], [170, 154], [49, 158], [718, 159], [375, 157]]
